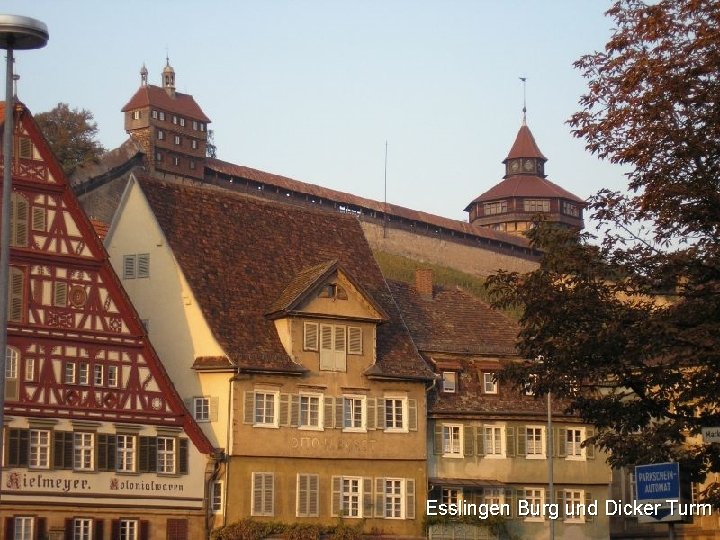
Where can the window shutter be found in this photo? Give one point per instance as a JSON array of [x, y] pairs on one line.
[[339, 417], [69, 528], [129, 267], [214, 407], [144, 529], [588, 499], [63, 450], [370, 414], [268, 494], [561, 442], [147, 461], [302, 495], [284, 410], [15, 305], [468, 441], [367, 497], [521, 440], [410, 498], [60, 294], [560, 500], [311, 336], [41, 528], [18, 447], [336, 498], [115, 529], [249, 412], [354, 340], [313, 494], [143, 265], [183, 456], [38, 218], [340, 363], [9, 527], [590, 448], [438, 439], [510, 499], [480, 440], [380, 413], [19, 222], [99, 529], [510, 441], [326, 347], [294, 410], [379, 498], [328, 414], [413, 416]]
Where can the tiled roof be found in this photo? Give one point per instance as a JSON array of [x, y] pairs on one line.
[[240, 253], [525, 145], [212, 362], [300, 284], [313, 190], [101, 228], [523, 185], [156, 96], [455, 321]]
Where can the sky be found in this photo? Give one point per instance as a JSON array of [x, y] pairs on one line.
[[313, 89]]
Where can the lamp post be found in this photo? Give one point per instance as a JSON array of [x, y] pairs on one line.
[[22, 33]]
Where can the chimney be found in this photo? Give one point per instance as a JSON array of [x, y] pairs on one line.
[[424, 282]]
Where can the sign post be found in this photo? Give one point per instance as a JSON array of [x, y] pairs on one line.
[[659, 484]]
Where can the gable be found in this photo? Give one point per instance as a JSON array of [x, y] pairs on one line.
[[336, 296]]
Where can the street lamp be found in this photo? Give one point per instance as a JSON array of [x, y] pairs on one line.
[[23, 33]]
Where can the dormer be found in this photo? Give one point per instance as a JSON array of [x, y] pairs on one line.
[[324, 318]]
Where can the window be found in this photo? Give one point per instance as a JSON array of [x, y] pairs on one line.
[[394, 498], [351, 497], [195, 125], [69, 372], [29, 369], [534, 500], [332, 348], [177, 139], [192, 164], [570, 209], [263, 494], [308, 495], [128, 529], [452, 496], [158, 156], [492, 208], [161, 114], [11, 362], [449, 382], [535, 442], [19, 213], [573, 443], [493, 496], [395, 413], [82, 529], [202, 126], [490, 385], [136, 115], [194, 144], [112, 375], [354, 413], [310, 336], [310, 411], [265, 409], [83, 452], [536, 205], [83, 373], [125, 453], [176, 160], [160, 135], [154, 114], [452, 440], [201, 409], [493, 441], [166, 455], [174, 119], [23, 528], [98, 374], [16, 303], [182, 122], [216, 500], [574, 505], [39, 449]]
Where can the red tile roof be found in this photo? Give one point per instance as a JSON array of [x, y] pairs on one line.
[[240, 253], [522, 185], [314, 190], [525, 145], [151, 95]]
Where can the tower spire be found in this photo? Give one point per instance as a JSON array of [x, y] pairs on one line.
[[524, 109]]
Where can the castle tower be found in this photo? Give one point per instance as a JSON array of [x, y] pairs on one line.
[[525, 192], [170, 126]]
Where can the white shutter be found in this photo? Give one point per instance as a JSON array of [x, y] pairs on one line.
[[268, 494], [313, 495], [311, 336], [336, 507], [354, 340], [339, 346], [129, 267], [410, 498], [143, 265], [326, 347]]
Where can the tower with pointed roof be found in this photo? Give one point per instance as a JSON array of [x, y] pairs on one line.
[[170, 126], [525, 192]]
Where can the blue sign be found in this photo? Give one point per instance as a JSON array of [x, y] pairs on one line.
[[658, 482]]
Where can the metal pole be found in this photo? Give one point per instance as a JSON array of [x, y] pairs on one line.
[[671, 531], [550, 459], [5, 234]]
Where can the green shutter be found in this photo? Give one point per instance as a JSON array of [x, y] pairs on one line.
[[412, 411], [468, 441], [336, 496], [588, 500], [367, 497], [379, 498], [561, 442], [294, 410], [380, 413], [590, 448], [438, 439], [410, 498], [521, 440], [249, 413], [183, 458], [147, 461], [284, 409], [510, 441], [480, 441], [370, 415], [339, 418]]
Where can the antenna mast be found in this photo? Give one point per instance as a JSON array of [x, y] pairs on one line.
[[524, 83]]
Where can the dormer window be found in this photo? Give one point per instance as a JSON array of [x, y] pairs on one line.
[[536, 205], [333, 290], [570, 209], [497, 207], [449, 382]]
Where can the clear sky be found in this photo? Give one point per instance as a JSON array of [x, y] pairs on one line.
[[312, 89]]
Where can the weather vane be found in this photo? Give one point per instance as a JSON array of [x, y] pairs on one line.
[[524, 83]]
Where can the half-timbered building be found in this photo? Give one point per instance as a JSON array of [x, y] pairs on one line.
[[97, 442]]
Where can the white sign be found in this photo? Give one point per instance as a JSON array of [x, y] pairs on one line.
[[711, 434]]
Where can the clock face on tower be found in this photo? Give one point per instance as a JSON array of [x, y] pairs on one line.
[[515, 165], [528, 165]]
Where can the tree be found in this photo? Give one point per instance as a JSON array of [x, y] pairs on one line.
[[628, 323], [71, 134]]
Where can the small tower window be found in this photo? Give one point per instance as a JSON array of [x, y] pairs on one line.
[[136, 115]]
